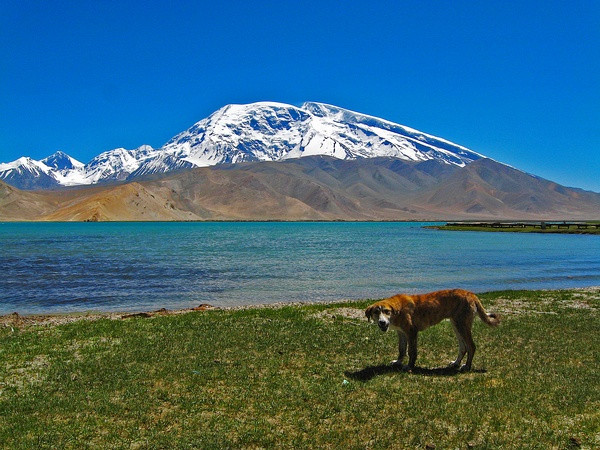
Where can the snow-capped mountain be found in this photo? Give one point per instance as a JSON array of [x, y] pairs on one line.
[[27, 173], [264, 131], [115, 165], [59, 169], [269, 131]]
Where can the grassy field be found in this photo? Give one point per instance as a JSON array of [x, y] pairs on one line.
[[528, 229], [305, 376]]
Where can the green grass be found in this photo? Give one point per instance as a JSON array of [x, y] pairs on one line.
[[305, 376]]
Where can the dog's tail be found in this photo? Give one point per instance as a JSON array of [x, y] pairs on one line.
[[491, 319]]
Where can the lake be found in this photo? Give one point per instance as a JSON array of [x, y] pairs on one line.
[[67, 267]]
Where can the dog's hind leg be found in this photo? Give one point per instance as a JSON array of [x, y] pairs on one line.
[[462, 348], [468, 339], [401, 348]]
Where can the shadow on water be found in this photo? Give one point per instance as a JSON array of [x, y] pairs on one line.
[[371, 372]]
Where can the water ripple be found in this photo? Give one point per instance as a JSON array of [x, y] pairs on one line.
[[63, 267]]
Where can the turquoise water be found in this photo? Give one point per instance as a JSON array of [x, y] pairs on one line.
[[65, 267]]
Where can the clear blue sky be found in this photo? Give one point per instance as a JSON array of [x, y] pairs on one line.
[[516, 81]]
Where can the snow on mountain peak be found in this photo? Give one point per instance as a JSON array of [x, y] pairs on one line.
[[24, 163], [262, 131], [114, 165], [61, 161]]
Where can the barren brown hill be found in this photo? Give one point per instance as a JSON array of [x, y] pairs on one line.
[[315, 188], [131, 201], [23, 205], [487, 188]]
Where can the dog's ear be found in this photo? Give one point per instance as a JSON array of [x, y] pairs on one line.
[[368, 312]]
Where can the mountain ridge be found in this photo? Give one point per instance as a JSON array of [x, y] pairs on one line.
[[262, 131]]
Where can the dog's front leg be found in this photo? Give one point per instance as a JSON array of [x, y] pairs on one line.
[[401, 348], [412, 349]]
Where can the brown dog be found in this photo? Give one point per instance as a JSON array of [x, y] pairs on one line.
[[409, 314]]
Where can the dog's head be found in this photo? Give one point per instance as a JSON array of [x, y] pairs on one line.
[[380, 313]]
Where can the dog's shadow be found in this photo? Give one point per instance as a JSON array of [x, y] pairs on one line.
[[371, 372]]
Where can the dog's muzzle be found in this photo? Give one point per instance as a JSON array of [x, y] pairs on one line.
[[383, 325]]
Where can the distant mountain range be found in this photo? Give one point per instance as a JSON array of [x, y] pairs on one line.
[[271, 161], [314, 188], [262, 131]]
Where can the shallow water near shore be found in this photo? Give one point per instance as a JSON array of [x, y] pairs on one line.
[[67, 267]]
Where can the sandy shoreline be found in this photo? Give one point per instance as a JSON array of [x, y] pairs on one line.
[[22, 320], [16, 320]]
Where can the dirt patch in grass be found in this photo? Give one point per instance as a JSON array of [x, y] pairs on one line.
[[342, 312], [550, 302], [29, 373], [517, 306]]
